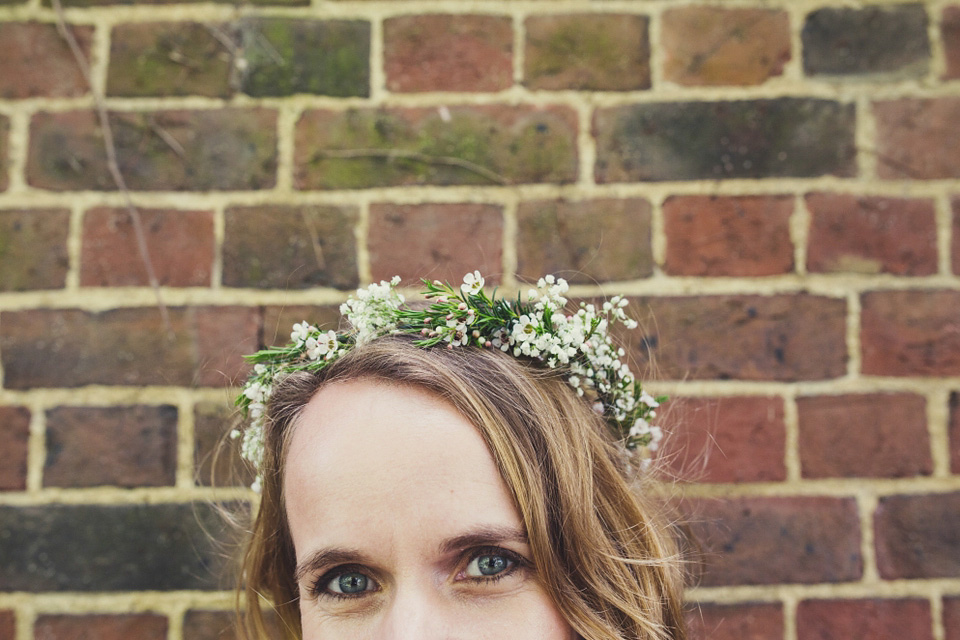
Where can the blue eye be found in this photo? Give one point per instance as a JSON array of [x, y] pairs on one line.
[[350, 584], [489, 564]]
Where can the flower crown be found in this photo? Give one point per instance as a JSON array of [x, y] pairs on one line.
[[538, 329]]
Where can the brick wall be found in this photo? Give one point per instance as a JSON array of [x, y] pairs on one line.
[[776, 183]]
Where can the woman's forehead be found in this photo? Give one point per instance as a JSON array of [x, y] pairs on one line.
[[369, 458]]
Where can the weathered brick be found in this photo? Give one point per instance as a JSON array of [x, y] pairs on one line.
[[951, 618], [38, 63], [737, 236], [806, 540], [136, 547], [955, 236], [8, 618], [866, 41], [918, 139], [143, 626], [278, 321], [33, 249], [448, 53], [284, 56], [595, 52], [950, 34], [783, 137], [918, 536], [704, 46], [180, 244], [878, 435], [168, 150], [435, 241], [871, 235], [132, 446], [14, 434], [585, 241], [874, 619], [286, 247], [747, 621], [955, 432], [910, 333], [169, 59], [739, 439], [217, 458], [780, 337], [220, 625], [128, 346], [490, 144], [4, 133]]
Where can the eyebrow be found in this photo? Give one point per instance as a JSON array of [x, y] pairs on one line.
[[478, 537]]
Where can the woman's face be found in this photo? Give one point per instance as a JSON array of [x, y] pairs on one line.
[[402, 526]]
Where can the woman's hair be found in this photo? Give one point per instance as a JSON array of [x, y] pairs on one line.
[[600, 548]]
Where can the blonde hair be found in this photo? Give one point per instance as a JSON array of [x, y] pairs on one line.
[[601, 550]]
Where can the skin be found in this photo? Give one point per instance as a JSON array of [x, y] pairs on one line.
[[392, 494]]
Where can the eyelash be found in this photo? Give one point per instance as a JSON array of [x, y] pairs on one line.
[[318, 589]]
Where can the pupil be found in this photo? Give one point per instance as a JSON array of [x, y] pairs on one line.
[[490, 565], [353, 583]]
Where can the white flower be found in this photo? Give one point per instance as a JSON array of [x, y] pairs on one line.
[[640, 428], [324, 345], [525, 329], [301, 331], [648, 400], [458, 334], [472, 284]]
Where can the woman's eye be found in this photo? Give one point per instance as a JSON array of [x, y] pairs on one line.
[[349, 583], [488, 565]]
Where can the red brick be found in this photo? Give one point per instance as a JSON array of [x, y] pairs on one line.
[[748, 621], [143, 626], [706, 46], [873, 619], [180, 244], [487, 144], [950, 34], [435, 241], [737, 236], [219, 625], [955, 236], [285, 247], [880, 435], [918, 536], [955, 432], [918, 139], [595, 52], [951, 618], [780, 337], [871, 235], [910, 333], [38, 63], [169, 59], [585, 241], [216, 456], [8, 624], [128, 346], [14, 434], [725, 439], [777, 540], [698, 140], [448, 53], [125, 446], [212, 149], [33, 249], [4, 131]]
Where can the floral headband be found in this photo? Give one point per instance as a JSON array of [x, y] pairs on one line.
[[537, 329]]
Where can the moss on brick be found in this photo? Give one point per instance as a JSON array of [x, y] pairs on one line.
[[161, 59], [284, 57], [467, 145], [33, 249], [4, 133]]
